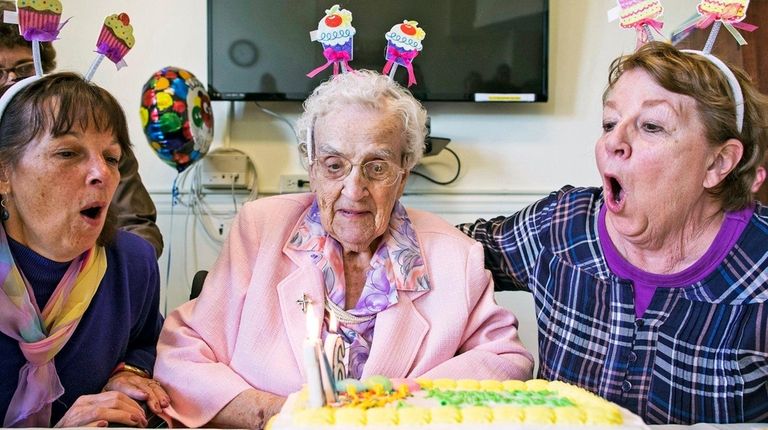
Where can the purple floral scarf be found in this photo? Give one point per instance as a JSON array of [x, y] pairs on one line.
[[396, 265]]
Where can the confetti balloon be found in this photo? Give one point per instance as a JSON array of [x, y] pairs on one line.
[[176, 117]]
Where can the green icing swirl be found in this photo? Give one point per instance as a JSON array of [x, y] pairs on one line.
[[460, 398]]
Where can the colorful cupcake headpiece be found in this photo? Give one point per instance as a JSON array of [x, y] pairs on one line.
[[403, 45], [717, 13], [642, 15], [336, 34], [115, 40], [39, 21]]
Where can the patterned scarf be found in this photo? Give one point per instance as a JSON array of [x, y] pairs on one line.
[[41, 335], [396, 265]]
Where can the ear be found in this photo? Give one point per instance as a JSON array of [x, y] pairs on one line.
[[724, 160], [403, 182], [759, 179]]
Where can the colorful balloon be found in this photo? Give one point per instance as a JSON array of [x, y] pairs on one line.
[[176, 117]]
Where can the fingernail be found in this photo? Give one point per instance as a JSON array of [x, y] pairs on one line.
[[101, 424]]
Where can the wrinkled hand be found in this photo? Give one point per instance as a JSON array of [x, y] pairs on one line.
[[98, 410], [139, 388]]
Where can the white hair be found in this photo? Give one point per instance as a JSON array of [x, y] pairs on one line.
[[368, 89]]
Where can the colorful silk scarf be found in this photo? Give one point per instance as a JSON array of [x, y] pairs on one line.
[[397, 265], [41, 335]]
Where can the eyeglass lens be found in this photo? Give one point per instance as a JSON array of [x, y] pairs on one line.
[[335, 167], [23, 70]]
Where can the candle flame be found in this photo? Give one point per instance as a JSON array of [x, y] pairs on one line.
[[333, 323], [312, 324]]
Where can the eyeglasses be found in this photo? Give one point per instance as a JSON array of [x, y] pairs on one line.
[[23, 70], [336, 167]]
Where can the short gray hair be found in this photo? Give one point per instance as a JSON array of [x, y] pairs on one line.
[[372, 90]]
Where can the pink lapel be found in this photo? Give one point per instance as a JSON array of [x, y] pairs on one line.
[[399, 333], [307, 279]]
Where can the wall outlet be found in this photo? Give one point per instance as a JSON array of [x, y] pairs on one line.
[[225, 171], [222, 227], [294, 184]]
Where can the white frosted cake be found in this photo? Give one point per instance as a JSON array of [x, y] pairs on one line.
[[378, 403]]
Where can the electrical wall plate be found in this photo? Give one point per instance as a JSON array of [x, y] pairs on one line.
[[225, 171], [294, 184]]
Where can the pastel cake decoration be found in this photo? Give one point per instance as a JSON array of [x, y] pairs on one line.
[[114, 41], [642, 15], [336, 35], [39, 21], [380, 403], [403, 45]]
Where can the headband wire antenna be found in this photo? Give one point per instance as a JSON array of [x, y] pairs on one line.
[[730, 15]]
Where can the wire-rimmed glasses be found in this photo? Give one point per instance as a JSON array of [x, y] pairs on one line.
[[336, 167], [23, 70]]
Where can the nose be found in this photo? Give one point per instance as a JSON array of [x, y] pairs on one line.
[[355, 186], [617, 140], [12, 77], [98, 171]]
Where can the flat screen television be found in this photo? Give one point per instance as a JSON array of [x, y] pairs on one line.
[[474, 50]]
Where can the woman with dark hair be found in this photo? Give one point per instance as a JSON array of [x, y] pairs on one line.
[[132, 204], [78, 298]]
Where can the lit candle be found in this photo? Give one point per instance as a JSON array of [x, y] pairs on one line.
[[335, 350], [326, 376], [311, 363]]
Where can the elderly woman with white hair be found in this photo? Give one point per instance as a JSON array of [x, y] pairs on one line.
[[350, 249]]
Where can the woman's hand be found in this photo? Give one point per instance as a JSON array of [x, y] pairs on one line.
[[140, 388], [98, 410]]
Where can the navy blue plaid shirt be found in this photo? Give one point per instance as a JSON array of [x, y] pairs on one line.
[[698, 354]]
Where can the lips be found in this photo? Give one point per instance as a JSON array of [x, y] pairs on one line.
[[93, 211], [615, 194], [351, 212]]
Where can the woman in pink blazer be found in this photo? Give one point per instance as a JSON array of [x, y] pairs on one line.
[[229, 358]]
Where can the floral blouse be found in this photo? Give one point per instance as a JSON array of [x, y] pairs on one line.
[[396, 265]]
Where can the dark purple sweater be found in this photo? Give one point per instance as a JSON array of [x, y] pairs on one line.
[[121, 324]]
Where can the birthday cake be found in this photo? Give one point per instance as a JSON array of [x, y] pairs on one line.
[[378, 403]]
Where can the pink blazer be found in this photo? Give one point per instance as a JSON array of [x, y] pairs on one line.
[[246, 329]]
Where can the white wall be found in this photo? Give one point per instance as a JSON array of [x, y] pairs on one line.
[[511, 153]]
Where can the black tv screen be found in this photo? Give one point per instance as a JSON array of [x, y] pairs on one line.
[[474, 50]]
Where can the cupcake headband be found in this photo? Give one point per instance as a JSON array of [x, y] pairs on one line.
[[717, 14], [39, 21], [336, 34], [643, 14]]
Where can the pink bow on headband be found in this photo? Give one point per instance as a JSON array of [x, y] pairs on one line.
[[643, 30], [114, 54], [406, 59], [729, 13], [334, 57]]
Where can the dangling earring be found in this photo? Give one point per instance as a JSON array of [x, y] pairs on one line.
[[4, 215]]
